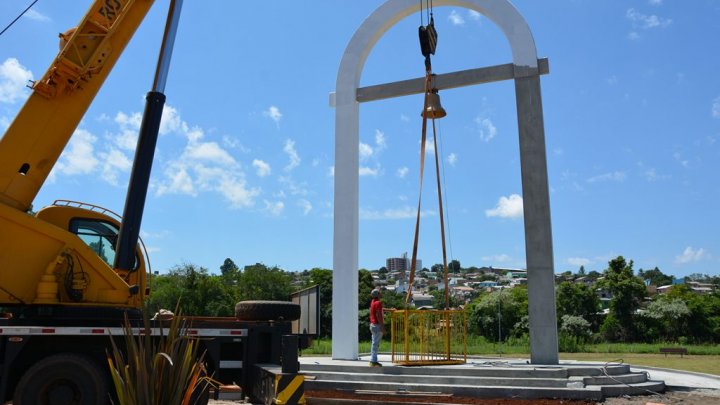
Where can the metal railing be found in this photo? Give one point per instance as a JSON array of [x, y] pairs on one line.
[[428, 337]]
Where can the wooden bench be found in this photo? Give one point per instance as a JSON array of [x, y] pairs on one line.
[[673, 350]]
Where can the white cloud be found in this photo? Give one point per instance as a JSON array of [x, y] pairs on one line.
[[274, 208], [716, 108], [402, 172], [365, 151], [170, 121], [501, 258], [579, 261], [210, 152], [404, 118], [612, 176], [633, 36], [177, 181], [644, 21], [474, 15], [202, 167], [455, 18], [34, 15], [4, 123], [289, 149], [13, 79], [681, 159], [315, 162], [368, 171], [292, 187], [655, 2], [380, 142], [452, 159], [131, 121], [486, 128], [331, 171], [262, 168], [274, 114], [114, 162], [393, 213], [305, 205], [690, 255], [78, 157], [612, 80], [232, 186], [507, 207], [429, 146]]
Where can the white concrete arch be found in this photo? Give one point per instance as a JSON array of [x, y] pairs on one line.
[[533, 165]]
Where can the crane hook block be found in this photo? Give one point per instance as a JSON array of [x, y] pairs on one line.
[[428, 39]]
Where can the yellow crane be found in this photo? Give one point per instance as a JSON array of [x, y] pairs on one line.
[[63, 254]]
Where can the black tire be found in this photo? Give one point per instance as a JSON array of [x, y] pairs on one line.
[[267, 311], [63, 379]]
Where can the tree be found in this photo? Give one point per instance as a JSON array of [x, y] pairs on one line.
[[437, 268], [628, 293], [577, 299], [656, 277], [99, 248], [229, 268], [259, 282], [198, 292], [508, 306], [454, 266], [670, 316], [581, 272], [593, 275], [703, 323], [438, 301]]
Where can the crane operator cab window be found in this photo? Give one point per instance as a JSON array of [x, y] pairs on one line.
[[100, 236]]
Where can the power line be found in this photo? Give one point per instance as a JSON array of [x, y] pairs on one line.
[[18, 17]]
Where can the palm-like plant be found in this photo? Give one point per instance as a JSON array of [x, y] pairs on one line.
[[159, 370]]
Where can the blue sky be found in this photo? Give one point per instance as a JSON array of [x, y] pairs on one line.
[[245, 158]]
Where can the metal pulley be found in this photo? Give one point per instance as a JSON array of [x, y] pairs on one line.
[[433, 109], [428, 38]]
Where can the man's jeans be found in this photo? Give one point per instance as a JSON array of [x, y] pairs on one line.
[[376, 336]]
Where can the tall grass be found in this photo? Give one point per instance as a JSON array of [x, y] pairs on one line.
[[158, 370]]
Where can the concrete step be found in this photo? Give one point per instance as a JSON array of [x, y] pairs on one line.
[[440, 379], [581, 381], [629, 378], [505, 372], [645, 388], [592, 370]]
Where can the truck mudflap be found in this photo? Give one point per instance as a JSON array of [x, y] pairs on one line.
[[274, 387]]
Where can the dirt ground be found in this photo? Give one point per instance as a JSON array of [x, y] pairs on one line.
[[694, 397]]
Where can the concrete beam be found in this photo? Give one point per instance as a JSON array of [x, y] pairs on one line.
[[452, 80]]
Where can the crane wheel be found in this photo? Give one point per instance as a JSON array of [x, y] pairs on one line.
[[63, 379], [267, 311]]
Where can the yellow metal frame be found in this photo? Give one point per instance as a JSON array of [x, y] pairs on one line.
[[428, 337]]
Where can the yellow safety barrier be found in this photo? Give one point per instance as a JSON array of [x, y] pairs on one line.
[[428, 337]]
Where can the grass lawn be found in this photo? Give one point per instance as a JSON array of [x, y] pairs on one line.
[[709, 364], [704, 359]]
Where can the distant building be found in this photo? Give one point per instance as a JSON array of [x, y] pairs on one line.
[[401, 265]]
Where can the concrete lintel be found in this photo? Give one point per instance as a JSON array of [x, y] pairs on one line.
[[450, 80]]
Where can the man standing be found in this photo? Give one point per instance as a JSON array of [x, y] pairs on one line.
[[377, 325]]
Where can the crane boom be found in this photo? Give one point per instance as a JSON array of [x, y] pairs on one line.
[[35, 139]]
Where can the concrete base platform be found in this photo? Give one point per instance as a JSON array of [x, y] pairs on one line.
[[478, 378]]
